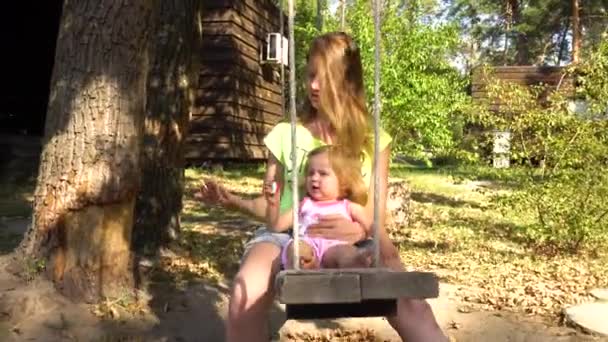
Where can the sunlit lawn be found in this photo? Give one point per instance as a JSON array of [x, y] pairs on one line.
[[453, 231], [466, 241]]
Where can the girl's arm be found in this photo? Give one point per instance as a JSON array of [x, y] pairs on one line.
[[279, 222], [212, 193], [273, 181]]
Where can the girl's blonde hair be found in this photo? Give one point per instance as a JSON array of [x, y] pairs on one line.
[[348, 170], [337, 62]]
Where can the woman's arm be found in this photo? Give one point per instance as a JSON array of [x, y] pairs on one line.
[[359, 215], [383, 167], [388, 251]]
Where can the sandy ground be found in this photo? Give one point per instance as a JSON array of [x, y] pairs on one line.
[[33, 312]]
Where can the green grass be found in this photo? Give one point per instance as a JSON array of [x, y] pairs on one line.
[[16, 200], [454, 231], [457, 233], [8, 241]]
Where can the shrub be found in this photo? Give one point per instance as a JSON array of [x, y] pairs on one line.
[[565, 183]]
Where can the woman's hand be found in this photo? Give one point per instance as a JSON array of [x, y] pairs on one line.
[[212, 193], [337, 227]]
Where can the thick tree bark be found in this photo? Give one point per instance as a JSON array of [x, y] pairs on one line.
[[89, 173], [171, 80], [576, 31]]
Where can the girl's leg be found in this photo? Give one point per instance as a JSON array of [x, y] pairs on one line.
[[344, 256], [415, 320], [308, 258], [252, 294]]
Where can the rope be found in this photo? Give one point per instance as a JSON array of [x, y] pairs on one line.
[[294, 165], [376, 111], [282, 29]]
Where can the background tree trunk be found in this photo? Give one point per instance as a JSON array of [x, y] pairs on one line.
[[89, 171], [319, 21], [522, 56], [171, 80], [342, 14], [576, 32]]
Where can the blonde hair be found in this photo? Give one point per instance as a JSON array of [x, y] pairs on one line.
[[342, 103], [348, 170]]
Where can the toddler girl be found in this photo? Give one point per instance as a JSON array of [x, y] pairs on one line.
[[333, 186]]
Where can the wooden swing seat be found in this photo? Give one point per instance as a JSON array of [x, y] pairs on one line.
[[356, 292]]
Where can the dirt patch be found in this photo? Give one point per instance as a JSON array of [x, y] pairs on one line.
[[195, 311], [184, 294]]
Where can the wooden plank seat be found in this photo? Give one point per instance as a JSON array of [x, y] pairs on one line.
[[360, 292]]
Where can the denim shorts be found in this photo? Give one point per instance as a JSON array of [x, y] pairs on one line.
[[262, 234]]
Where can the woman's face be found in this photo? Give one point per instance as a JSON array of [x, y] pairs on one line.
[[313, 86]]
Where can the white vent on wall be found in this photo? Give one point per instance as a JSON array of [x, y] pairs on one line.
[[272, 50]]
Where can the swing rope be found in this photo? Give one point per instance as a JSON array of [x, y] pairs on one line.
[[376, 112], [294, 159]]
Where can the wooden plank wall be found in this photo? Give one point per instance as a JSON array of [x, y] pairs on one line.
[[238, 99], [522, 75]]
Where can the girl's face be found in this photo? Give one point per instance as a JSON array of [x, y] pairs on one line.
[[313, 86], [321, 181]]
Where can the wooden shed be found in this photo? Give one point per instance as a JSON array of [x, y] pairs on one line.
[[239, 97], [550, 76]]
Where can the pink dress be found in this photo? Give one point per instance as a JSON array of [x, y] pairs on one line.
[[309, 214]]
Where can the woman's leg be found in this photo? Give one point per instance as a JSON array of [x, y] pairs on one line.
[[252, 294]]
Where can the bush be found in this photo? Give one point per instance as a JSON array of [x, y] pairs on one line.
[[569, 210], [565, 183]]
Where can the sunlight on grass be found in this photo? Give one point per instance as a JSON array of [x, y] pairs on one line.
[[480, 248], [454, 231], [213, 239]]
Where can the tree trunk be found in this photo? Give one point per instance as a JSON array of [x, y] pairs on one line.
[[562, 43], [320, 6], [522, 56], [576, 31], [171, 79], [342, 14], [89, 170], [509, 25], [522, 53]]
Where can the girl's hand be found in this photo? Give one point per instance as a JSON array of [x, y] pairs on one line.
[[212, 193], [271, 192], [337, 227]]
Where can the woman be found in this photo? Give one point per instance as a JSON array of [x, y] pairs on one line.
[[334, 112]]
